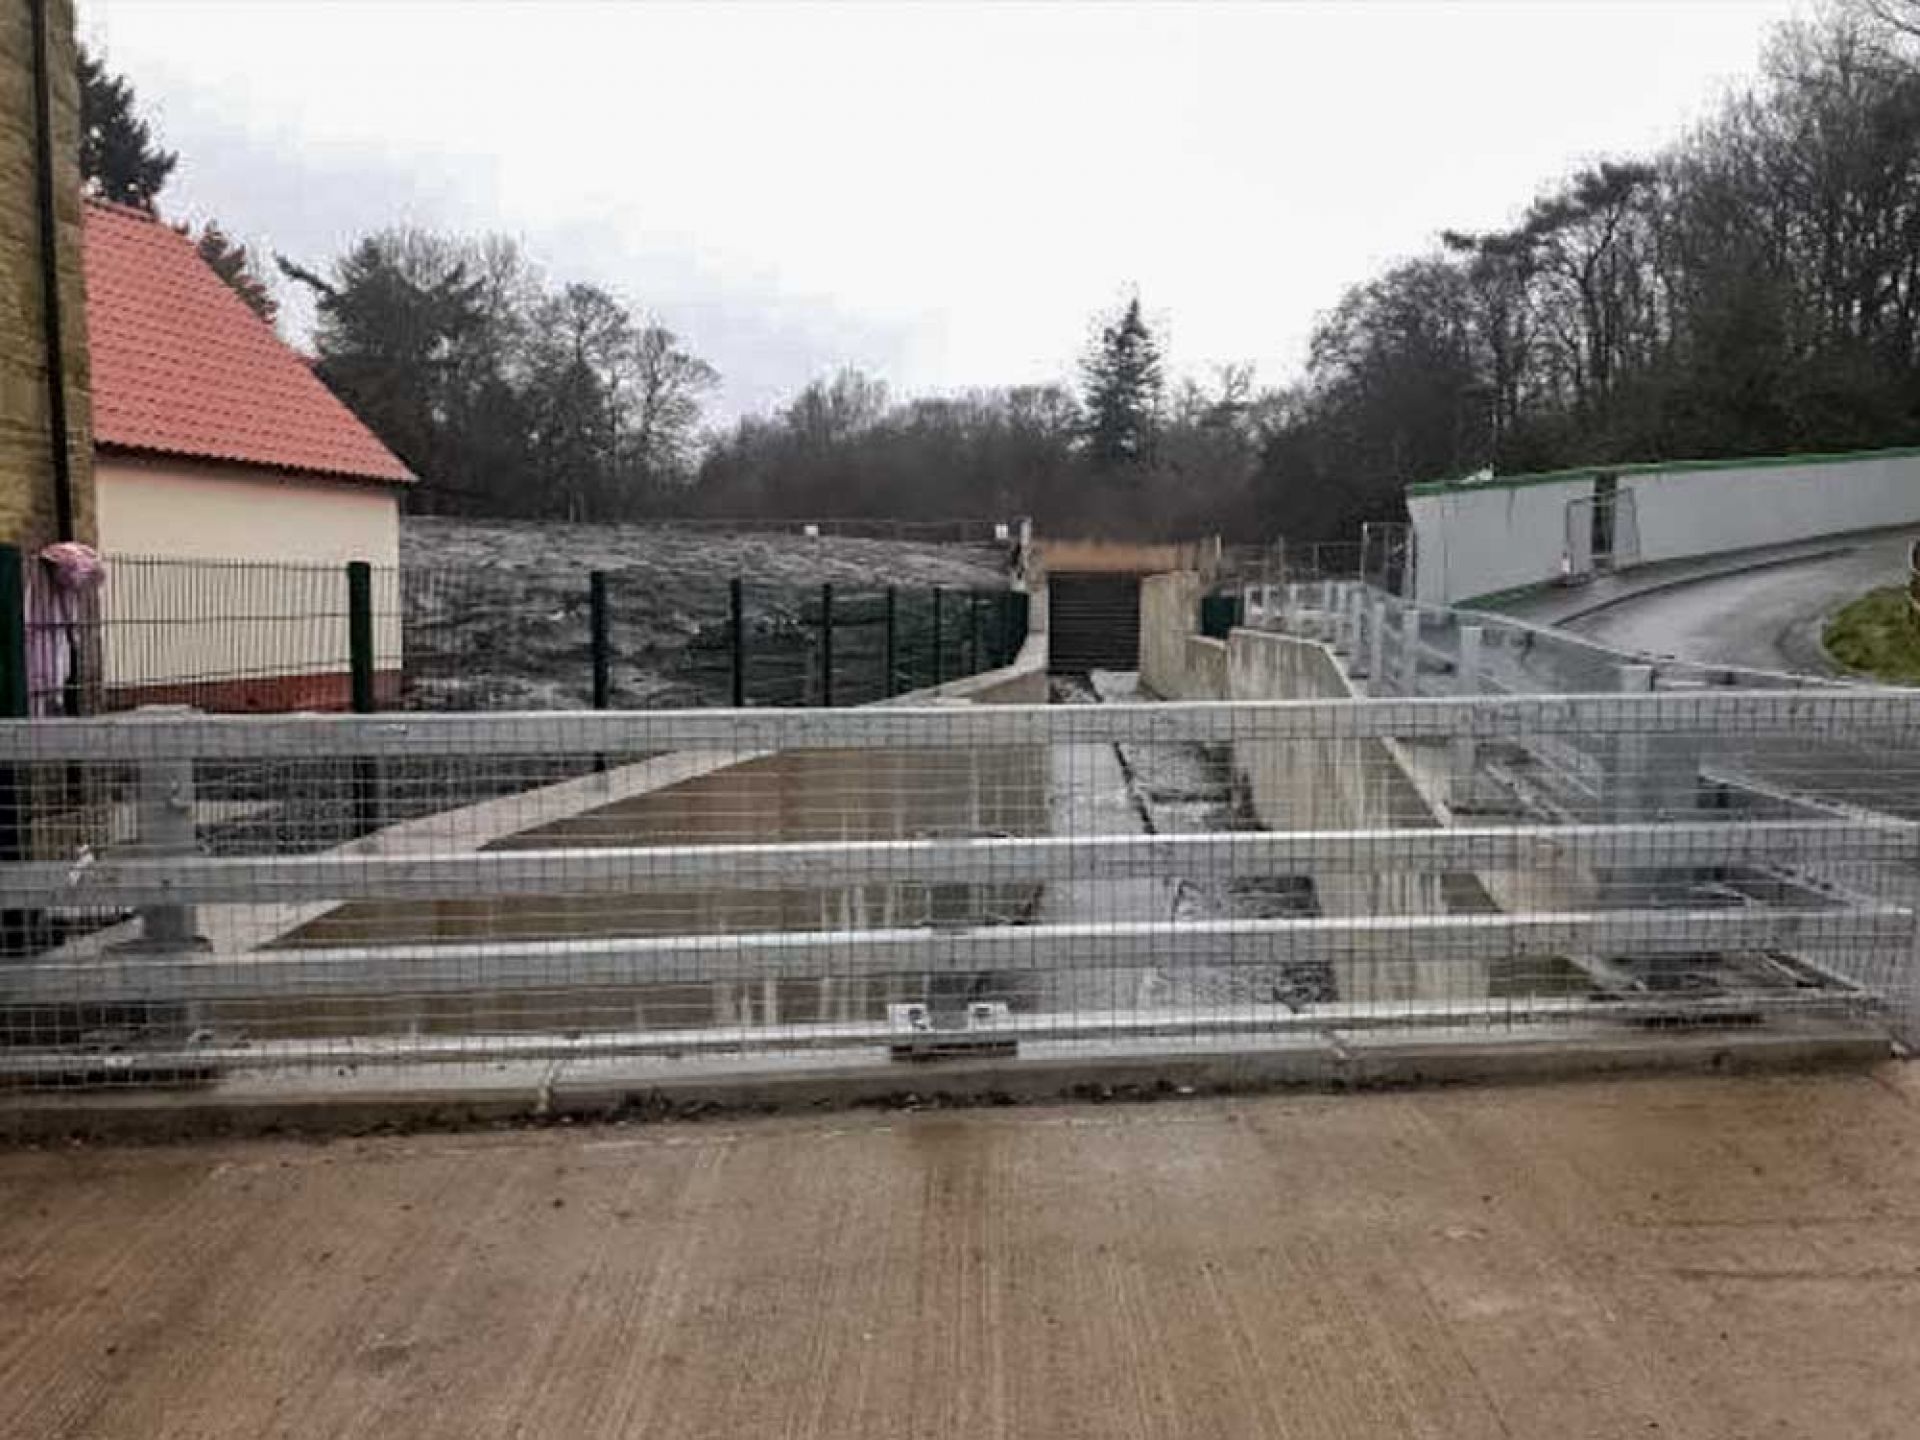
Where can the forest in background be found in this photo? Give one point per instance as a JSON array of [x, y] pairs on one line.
[[1753, 288]]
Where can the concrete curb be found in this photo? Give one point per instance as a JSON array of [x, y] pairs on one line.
[[1681, 582], [328, 1104]]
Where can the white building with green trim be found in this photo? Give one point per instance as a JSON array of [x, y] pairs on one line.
[[1479, 537]]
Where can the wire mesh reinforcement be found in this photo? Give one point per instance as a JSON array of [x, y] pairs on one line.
[[195, 896]]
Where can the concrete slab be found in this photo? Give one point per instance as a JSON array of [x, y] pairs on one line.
[[1703, 1258]]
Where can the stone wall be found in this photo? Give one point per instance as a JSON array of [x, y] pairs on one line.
[[26, 456]]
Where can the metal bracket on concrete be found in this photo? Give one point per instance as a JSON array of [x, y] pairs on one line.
[[984, 1029]]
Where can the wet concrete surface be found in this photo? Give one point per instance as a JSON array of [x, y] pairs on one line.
[[1165, 788], [1681, 1258]]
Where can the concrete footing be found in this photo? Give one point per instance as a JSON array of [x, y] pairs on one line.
[[332, 1101]]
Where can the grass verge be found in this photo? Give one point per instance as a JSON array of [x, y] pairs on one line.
[[1876, 635]]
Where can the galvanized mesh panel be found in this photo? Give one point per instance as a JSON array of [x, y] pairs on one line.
[[226, 895], [1399, 647]]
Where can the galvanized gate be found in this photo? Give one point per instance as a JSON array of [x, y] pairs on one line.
[[1386, 555], [1603, 532]]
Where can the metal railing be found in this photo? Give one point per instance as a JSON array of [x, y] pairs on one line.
[[203, 895], [1401, 647]]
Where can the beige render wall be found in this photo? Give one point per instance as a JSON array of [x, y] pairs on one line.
[[26, 450], [184, 509], [256, 588]]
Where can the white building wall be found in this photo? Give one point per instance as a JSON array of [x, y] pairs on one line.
[[1489, 538], [183, 510], [225, 576], [1477, 540], [1703, 512]]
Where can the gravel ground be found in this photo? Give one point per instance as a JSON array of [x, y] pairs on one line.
[[495, 612]]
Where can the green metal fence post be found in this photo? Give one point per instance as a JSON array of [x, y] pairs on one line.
[[890, 679], [939, 665], [737, 639], [974, 667], [13, 633], [360, 635], [366, 773], [826, 644], [599, 631]]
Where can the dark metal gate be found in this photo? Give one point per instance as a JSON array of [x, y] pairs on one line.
[[1093, 623]]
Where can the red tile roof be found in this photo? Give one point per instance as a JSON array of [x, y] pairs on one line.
[[181, 366]]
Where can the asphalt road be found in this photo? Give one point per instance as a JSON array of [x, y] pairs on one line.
[[1767, 619], [1769, 616]]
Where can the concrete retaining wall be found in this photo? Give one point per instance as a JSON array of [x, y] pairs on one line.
[[1477, 540], [1291, 785], [1205, 667], [1176, 662], [1023, 681], [1169, 613], [1473, 542], [1327, 784]]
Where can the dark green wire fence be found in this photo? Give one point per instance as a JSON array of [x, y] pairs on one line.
[[830, 645], [253, 637]]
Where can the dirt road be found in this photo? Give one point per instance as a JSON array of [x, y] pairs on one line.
[[1663, 1258]]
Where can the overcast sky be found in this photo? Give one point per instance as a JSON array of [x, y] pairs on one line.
[[942, 195]]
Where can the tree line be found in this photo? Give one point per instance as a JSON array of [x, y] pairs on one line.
[[506, 394], [1121, 452], [1752, 288]]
